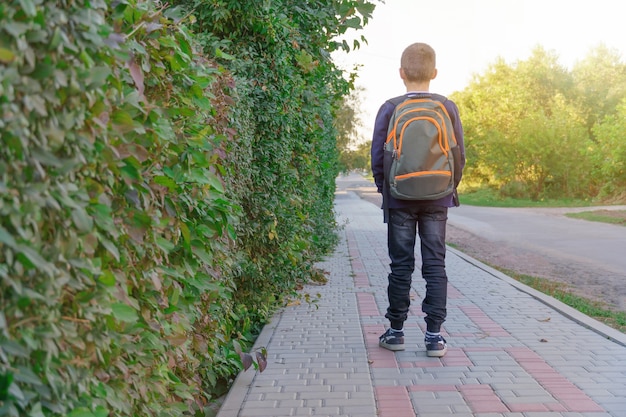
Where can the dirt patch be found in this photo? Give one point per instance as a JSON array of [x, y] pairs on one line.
[[578, 279]]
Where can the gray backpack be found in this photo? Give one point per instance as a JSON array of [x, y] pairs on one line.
[[422, 159]]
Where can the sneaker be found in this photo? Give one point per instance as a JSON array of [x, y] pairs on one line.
[[436, 347], [392, 340]]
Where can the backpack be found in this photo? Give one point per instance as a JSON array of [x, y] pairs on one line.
[[421, 151]]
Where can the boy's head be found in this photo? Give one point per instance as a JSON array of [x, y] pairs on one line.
[[418, 63]]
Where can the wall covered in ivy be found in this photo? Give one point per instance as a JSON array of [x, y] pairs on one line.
[[166, 181]]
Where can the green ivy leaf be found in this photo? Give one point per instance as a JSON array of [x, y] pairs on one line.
[[43, 71], [102, 216], [109, 246], [26, 376], [186, 234], [131, 172], [15, 28], [46, 158], [81, 412], [6, 379], [107, 278], [98, 76], [14, 348], [28, 7], [165, 244], [6, 56], [125, 313], [32, 259], [123, 121], [81, 219], [165, 181], [36, 411], [101, 411], [203, 255], [185, 47], [6, 238], [221, 54], [215, 182]]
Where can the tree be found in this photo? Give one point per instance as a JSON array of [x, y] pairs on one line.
[[609, 153], [348, 123], [522, 127], [600, 83]]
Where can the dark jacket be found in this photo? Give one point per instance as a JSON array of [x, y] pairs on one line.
[[378, 143]]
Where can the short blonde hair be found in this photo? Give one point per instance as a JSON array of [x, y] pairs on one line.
[[418, 62]]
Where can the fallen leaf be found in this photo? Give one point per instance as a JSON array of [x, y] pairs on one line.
[[261, 359]]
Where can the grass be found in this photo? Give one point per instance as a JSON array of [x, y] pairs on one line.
[[488, 198], [593, 309], [604, 216]]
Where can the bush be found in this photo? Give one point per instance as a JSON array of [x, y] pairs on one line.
[[115, 228], [155, 204]]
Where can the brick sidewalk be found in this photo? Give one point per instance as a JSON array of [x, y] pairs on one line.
[[511, 352]]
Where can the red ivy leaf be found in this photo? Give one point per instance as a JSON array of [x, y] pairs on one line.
[[261, 359], [137, 74], [246, 360]]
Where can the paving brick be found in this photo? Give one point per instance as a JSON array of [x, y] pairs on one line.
[[510, 354]]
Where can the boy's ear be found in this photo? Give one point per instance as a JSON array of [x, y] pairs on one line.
[[402, 74], [434, 74]]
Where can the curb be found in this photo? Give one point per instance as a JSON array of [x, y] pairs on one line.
[[573, 314], [239, 390]]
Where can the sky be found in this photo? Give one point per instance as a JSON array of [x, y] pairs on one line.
[[469, 35]]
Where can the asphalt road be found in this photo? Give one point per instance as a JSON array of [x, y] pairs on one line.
[[549, 231], [545, 230]]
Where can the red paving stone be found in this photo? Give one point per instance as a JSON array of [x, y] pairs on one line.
[[456, 357], [433, 388], [567, 394], [361, 280], [482, 399], [393, 402], [484, 323], [367, 304], [378, 357], [454, 294]]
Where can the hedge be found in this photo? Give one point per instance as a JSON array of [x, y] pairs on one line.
[[166, 180]]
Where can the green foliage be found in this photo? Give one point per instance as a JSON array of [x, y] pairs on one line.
[[358, 159], [284, 162], [353, 153], [157, 205], [600, 83], [115, 224], [609, 156], [528, 132]]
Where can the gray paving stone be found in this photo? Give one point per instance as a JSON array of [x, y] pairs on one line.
[[318, 360]]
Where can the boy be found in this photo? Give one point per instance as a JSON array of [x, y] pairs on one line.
[[406, 218]]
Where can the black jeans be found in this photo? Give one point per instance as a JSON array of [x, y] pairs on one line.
[[430, 223]]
